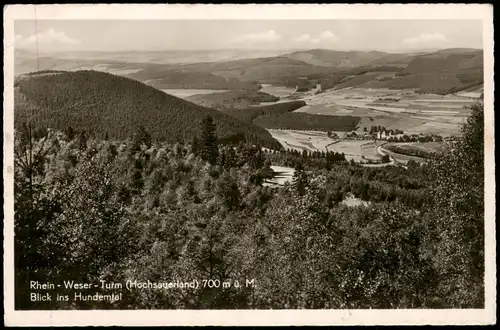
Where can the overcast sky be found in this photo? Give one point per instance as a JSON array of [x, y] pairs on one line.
[[140, 35]]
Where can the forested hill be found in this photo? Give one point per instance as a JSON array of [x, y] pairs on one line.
[[104, 104]]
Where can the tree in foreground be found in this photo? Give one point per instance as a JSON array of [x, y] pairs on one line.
[[209, 149], [300, 179], [458, 210]]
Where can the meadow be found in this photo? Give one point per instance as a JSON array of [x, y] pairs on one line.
[[357, 150], [411, 112], [302, 140]]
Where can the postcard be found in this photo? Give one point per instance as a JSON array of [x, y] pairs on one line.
[[249, 164]]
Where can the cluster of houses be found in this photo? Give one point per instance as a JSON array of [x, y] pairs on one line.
[[384, 134], [379, 135], [388, 135]]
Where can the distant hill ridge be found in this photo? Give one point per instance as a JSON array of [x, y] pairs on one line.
[[442, 71]]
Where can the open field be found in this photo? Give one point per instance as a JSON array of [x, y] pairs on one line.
[[411, 112], [359, 150], [279, 91], [302, 140]]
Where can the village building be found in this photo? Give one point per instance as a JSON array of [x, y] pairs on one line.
[[386, 134], [304, 85], [318, 87], [382, 135]]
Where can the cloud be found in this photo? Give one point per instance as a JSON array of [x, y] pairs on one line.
[[425, 38], [324, 38], [261, 37], [303, 38], [50, 39]]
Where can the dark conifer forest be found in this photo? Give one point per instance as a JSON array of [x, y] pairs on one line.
[[117, 181], [249, 114], [307, 121], [103, 104]]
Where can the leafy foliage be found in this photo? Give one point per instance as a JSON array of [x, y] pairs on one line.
[[141, 209], [458, 216]]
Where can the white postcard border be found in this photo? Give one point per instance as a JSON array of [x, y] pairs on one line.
[[251, 317]]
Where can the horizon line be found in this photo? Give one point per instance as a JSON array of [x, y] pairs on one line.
[[391, 50]]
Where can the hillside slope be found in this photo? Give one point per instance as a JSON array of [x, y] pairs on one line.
[[257, 69], [338, 59], [443, 71], [231, 99], [176, 77], [447, 60], [249, 114], [101, 104]]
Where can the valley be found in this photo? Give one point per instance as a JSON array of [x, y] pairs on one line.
[[354, 95], [307, 101], [406, 110], [411, 112], [328, 178]]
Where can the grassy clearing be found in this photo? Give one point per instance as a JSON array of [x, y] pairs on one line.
[[282, 175], [278, 91], [302, 140]]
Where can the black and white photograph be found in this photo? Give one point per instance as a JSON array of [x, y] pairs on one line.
[[246, 158]]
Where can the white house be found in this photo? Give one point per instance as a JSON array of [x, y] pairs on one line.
[[381, 135], [318, 87]]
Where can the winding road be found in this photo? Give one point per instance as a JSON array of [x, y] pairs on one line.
[[382, 152]]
